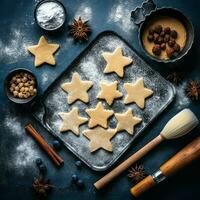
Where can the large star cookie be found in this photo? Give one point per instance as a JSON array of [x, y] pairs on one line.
[[126, 121], [43, 52], [99, 116], [77, 89], [137, 93], [71, 121], [109, 92], [100, 138], [116, 62]]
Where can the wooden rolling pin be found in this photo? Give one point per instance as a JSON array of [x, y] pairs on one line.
[[177, 162], [181, 124]]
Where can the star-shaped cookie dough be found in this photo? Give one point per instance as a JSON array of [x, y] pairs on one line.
[[72, 121], [99, 116], [137, 93], [116, 62], [99, 138], [109, 92], [77, 89], [43, 52], [126, 121]]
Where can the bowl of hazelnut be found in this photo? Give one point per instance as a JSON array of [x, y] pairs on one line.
[[165, 34], [21, 86]]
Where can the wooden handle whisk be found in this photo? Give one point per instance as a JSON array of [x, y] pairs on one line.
[[179, 125]]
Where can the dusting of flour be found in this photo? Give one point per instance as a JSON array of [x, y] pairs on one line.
[[84, 11]]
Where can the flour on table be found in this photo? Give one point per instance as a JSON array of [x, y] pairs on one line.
[[84, 11], [120, 14], [15, 48]]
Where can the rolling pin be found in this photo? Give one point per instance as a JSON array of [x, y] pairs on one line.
[[177, 162]]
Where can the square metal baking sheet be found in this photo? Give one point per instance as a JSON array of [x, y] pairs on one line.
[[90, 64]]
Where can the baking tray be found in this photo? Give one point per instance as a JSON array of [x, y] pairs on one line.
[[90, 64]]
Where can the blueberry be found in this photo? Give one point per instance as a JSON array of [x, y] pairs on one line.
[[80, 183], [56, 144], [78, 163], [74, 178], [42, 168], [38, 161]]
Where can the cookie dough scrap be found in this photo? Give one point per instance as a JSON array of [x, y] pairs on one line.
[[137, 93], [109, 92], [43, 52], [127, 121], [77, 89], [99, 116], [72, 121], [100, 138], [116, 62]]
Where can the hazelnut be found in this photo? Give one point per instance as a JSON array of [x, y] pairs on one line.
[[18, 80], [150, 38], [151, 31], [34, 90], [163, 46], [170, 52], [14, 78], [167, 30], [177, 47], [30, 87], [16, 88], [22, 89], [15, 93], [11, 89], [26, 89], [174, 34], [32, 82], [28, 94], [156, 49], [160, 40], [20, 85], [158, 29], [29, 76], [26, 84], [162, 34], [13, 85], [20, 95], [172, 42]]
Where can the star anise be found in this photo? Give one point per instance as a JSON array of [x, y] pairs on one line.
[[79, 29], [175, 78], [137, 173], [41, 186], [192, 90]]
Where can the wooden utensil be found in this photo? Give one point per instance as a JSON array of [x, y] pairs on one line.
[[179, 125], [176, 163]]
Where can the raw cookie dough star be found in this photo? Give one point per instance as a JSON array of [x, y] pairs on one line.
[[72, 121], [99, 116], [99, 138], [43, 52], [116, 62], [109, 92], [126, 121], [77, 89], [137, 93]]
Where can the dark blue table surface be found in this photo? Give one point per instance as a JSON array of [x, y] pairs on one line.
[[18, 151]]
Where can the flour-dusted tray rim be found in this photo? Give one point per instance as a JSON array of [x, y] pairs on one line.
[[43, 121]]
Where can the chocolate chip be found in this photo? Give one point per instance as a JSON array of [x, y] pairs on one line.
[[174, 34], [177, 47], [150, 38], [166, 38], [167, 30], [158, 29], [163, 46], [156, 49], [172, 42], [170, 52]]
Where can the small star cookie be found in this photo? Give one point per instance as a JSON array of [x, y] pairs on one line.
[[109, 92], [116, 62], [126, 121], [72, 121], [77, 89], [99, 138], [99, 116], [137, 93], [43, 52]]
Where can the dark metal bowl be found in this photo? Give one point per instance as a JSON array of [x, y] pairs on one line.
[[7, 85], [143, 17], [35, 13]]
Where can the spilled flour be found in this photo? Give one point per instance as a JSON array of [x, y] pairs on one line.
[[120, 14], [15, 48], [84, 11], [23, 152]]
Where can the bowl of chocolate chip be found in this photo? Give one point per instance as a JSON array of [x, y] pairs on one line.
[[21, 86], [165, 34]]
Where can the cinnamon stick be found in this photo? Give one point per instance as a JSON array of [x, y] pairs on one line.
[[51, 153]]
